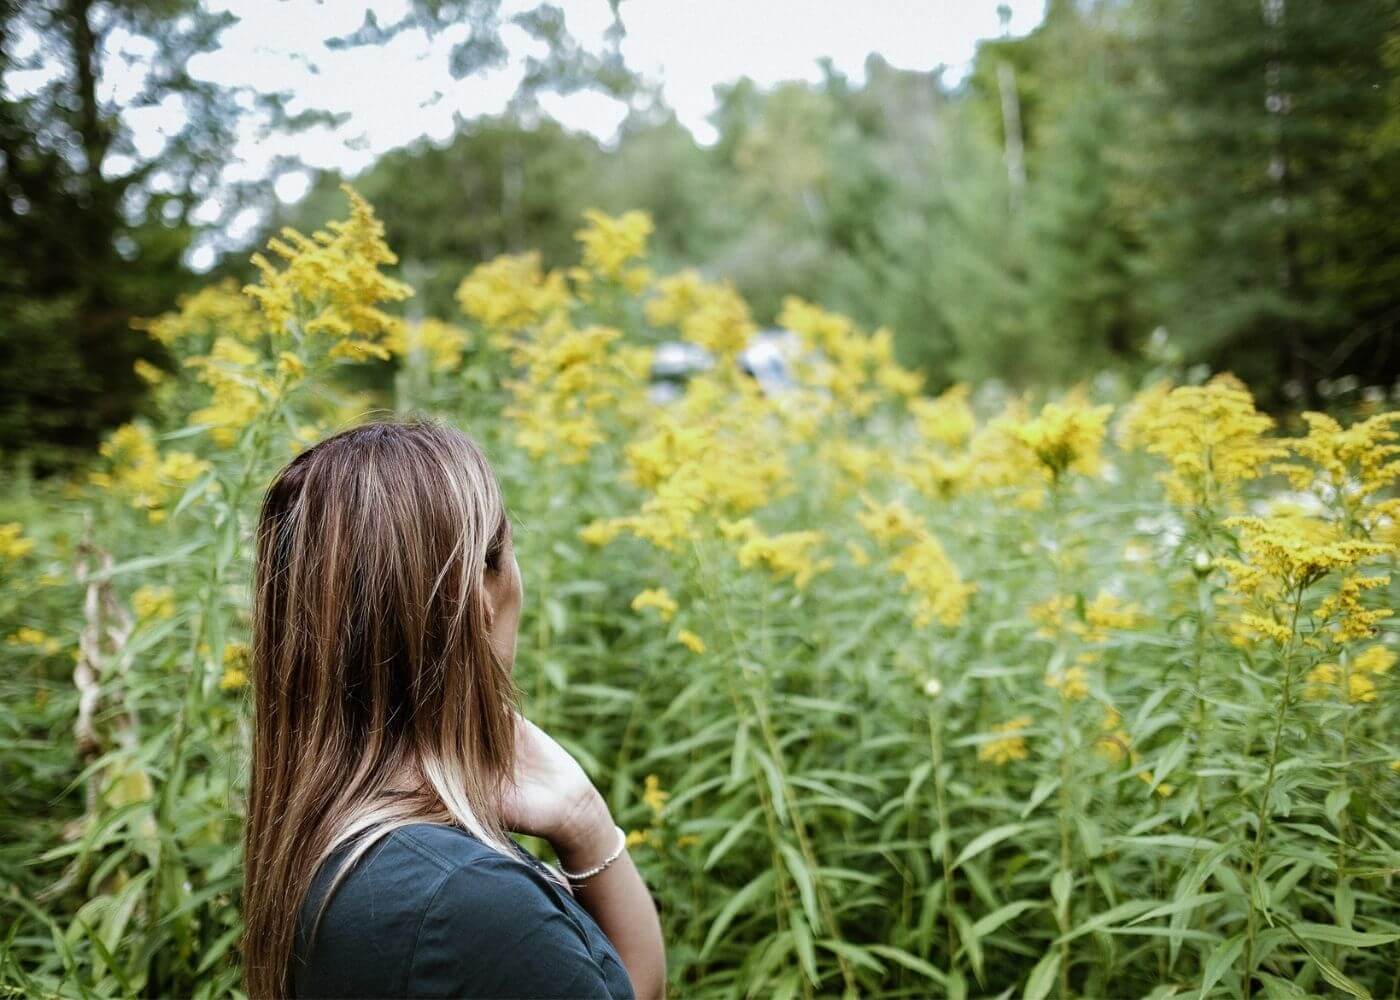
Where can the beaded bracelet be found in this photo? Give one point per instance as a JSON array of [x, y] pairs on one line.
[[598, 869]]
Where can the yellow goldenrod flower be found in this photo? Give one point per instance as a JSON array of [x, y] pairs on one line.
[[216, 310], [1072, 683], [235, 673], [13, 544], [1211, 436], [1164, 790], [610, 243], [600, 533], [1348, 464], [856, 370], [512, 293], [785, 555], [331, 284], [239, 390], [936, 585], [1052, 615], [1344, 613], [853, 465], [1376, 659], [1066, 436], [1284, 555], [291, 366], [658, 598], [654, 796], [150, 602], [1009, 746], [690, 641], [148, 372], [714, 316], [1107, 613], [938, 476], [1324, 679], [890, 522], [1113, 741], [566, 374], [36, 638], [677, 296]]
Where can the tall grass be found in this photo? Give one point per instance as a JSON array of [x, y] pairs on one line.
[[819, 796]]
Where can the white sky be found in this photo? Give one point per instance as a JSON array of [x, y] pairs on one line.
[[401, 91]]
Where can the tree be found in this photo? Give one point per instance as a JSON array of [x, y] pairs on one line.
[[499, 186], [91, 230], [94, 229], [1083, 207], [1264, 172]]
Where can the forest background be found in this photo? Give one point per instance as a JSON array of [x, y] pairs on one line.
[[1133, 183]]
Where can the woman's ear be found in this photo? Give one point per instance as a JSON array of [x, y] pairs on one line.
[[491, 584]]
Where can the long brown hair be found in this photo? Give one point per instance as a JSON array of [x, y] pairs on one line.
[[378, 700]]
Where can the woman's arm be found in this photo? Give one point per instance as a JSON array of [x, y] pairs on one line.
[[617, 898], [551, 797]]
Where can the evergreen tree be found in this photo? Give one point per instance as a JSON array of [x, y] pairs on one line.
[[1084, 292], [1262, 166]]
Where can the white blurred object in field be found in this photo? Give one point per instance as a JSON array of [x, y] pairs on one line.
[[769, 358]]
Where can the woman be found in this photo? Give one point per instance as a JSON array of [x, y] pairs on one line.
[[389, 762]]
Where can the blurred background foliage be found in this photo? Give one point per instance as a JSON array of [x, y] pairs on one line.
[[1209, 181]]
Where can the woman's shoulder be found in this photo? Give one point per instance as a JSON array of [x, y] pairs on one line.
[[415, 868], [439, 845], [428, 908]]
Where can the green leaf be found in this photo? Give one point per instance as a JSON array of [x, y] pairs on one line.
[[971, 943], [806, 954], [1109, 917], [1342, 936], [997, 917], [987, 839], [744, 897], [218, 949], [1329, 971], [1336, 801], [143, 563], [806, 884], [1180, 906], [859, 954], [1089, 836], [1344, 903], [775, 784], [1044, 788], [731, 837], [911, 962], [1042, 978], [1060, 886], [1221, 958]]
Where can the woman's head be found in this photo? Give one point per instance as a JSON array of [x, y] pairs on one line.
[[385, 603]]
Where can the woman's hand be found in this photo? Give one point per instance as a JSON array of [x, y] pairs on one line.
[[553, 798]]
